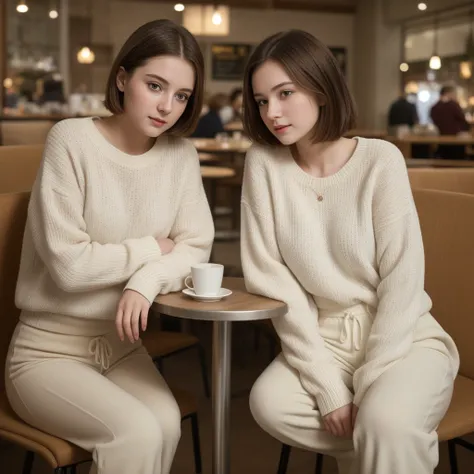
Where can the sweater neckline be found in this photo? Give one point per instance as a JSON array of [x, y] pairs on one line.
[[339, 175], [119, 156]]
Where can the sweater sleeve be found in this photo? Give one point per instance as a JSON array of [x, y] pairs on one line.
[[267, 274], [193, 234], [55, 220], [400, 259]]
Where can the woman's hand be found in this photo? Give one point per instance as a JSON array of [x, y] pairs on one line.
[[339, 422], [132, 308], [166, 245]]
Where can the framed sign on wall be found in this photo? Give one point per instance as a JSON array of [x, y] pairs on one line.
[[229, 60]]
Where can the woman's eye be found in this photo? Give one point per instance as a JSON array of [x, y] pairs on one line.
[[261, 102], [154, 86], [182, 97], [286, 93]]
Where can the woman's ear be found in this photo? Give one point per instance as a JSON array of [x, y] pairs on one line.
[[121, 79]]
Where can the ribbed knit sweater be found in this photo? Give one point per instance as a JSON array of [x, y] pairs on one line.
[[334, 242], [93, 219]]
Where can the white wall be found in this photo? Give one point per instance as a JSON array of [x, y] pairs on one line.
[[246, 26]]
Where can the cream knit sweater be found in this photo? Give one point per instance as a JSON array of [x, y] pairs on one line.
[[93, 218], [360, 242]]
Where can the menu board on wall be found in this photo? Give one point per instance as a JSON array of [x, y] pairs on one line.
[[229, 60], [341, 56]]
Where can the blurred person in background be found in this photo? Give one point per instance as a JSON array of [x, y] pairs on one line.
[[449, 118], [210, 124], [233, 111], [402, 113]]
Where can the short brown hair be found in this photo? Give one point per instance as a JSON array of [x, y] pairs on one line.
[[311, 66], [447, 90], [159, 38]]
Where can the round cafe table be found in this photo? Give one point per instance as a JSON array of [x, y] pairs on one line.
[[240, 306]]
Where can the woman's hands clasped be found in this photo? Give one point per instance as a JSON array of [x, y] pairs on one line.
[[341, 422]]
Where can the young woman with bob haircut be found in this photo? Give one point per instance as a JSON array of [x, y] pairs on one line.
[[117, 216], [330, 227]]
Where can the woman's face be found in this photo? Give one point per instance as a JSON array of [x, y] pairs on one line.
[[288, 111], [157, 93]]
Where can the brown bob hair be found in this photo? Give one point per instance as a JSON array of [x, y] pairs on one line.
[[311, 66], [159, 38]]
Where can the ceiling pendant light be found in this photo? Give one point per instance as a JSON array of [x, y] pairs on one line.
[[22, 7]]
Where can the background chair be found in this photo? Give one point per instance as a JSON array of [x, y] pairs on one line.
[[457, 180], [60, 454], [447, 226], [18, 167]]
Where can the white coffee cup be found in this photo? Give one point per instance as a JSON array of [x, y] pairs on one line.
[[206, 278]]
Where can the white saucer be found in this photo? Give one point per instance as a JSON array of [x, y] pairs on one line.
[[223, 292]]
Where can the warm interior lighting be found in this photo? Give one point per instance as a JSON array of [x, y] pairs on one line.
[[465, 69], [22, 7], [424, 96], [86, 55], [207, 20], [179, 7], [435, 62], [404, 67], [411, 88], [216, 18], [422, 6], [53, 14]]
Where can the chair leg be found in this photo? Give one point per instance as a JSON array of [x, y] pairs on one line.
[[453, 460], [319, 464], [256, 338], [196, 443], [28, 462], [273, 349], [204, 372], [284, 459], [159, 365], [66, 470]]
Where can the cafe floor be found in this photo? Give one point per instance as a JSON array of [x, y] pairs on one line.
[[252, 450]]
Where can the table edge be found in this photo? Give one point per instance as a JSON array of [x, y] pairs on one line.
[[220, 315]]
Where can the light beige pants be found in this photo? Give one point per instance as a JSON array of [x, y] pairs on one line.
[[97, 392], [395, 430]]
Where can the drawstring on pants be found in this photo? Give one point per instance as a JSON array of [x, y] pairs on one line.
[[351, 327], [101, 349]]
